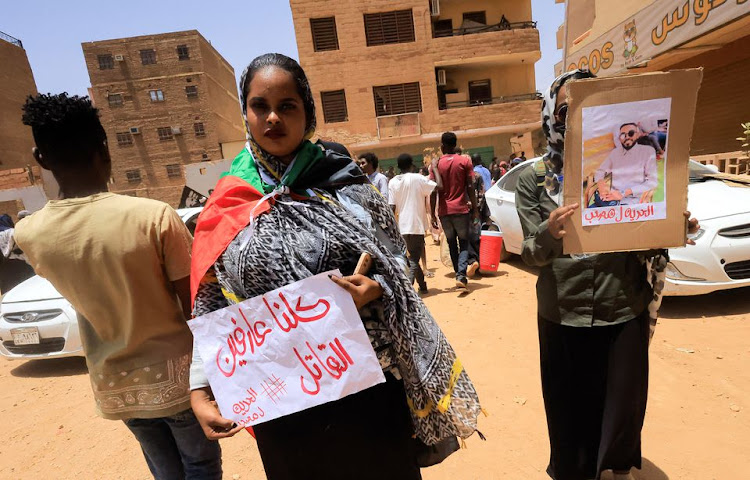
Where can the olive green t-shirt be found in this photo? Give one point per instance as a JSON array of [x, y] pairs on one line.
[[114, 257], [594, 290]]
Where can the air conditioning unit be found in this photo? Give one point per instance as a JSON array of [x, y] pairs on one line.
[[119, 58], [176, 131], [435, 8], [135, 131], [442, 79]]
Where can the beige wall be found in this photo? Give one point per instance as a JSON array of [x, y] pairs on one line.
[[608, 14], [357, 68], [514, 10], [16, 83], [504, 81]]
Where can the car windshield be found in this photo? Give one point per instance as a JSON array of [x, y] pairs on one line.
[[700, 172]]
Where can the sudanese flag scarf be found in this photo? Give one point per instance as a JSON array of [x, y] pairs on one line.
[[243, 193]]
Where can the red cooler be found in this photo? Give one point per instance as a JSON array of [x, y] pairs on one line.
[[490, 250]]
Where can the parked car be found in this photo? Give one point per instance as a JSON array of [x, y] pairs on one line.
[[721, 257], [37, 322]]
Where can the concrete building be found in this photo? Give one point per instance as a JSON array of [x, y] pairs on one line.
[[21, 180], [390, 76], [166, 100], [611, 37]]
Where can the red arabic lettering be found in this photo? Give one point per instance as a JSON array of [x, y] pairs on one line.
[[335, 365], [253, 417], [238, 342], [235, 340], [636, 214], [257, 338], [244, 405], [296, 318], [599, 214], [619, 214]]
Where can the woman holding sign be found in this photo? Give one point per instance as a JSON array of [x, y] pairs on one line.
[[594, 317], [289, 210]]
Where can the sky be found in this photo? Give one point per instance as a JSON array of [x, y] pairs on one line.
[[52, 32]]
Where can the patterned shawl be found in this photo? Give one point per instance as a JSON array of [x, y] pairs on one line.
[[656, 261], [307, 210]]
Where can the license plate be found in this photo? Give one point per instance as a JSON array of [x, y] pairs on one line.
[[25, 336]]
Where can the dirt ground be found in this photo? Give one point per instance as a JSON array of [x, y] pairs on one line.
[[697, 425]]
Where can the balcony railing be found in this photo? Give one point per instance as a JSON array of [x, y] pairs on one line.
[[12, 40], [396, 126], [477, 28], [492, 101]]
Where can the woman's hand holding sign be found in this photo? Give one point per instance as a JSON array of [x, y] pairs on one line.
[[362, 289], [557, 219], [692, 227], [206, 411]]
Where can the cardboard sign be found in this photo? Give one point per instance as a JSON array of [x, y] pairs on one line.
[[627, 148], [285, 351]]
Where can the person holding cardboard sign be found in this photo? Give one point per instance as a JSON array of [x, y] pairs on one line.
[[288, 211], [594, 314]]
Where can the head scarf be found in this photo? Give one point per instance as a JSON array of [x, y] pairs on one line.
[[555, 131], [254, 180]]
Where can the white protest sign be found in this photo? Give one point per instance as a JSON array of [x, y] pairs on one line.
[[288, 350]]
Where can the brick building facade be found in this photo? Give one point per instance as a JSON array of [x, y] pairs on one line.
[[390, 76], [23, 186], [16, 83], [165, 100]]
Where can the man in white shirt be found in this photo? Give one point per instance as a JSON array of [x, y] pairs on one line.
[[368, 162], [633, 169], [408, 194]]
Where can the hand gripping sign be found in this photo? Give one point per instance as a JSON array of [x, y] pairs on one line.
[[287, 350]]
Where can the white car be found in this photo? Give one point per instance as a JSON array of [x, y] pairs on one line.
[[37, 322], [721, 257]]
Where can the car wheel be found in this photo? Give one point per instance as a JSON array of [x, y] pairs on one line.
[[504, 254]]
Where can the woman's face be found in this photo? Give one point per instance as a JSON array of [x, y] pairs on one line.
[[275, 112]]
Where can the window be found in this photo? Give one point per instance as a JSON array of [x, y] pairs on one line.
[[156, 95], [397, 99], [124, 139], [165, 133], [334, 106], [148, 57], [478, 17], [480, 92], [191, 91], [174, 170], [115, 99], [389, 27], [442, 28], [324, 34], [199, 130], [510, 179], [133, 176], [183, 52], [106, 62]]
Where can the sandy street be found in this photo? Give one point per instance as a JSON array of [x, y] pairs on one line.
[[697, 425]]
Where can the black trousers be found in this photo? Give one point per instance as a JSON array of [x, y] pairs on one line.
[[595, 385], [365, 436], [415, 247]]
